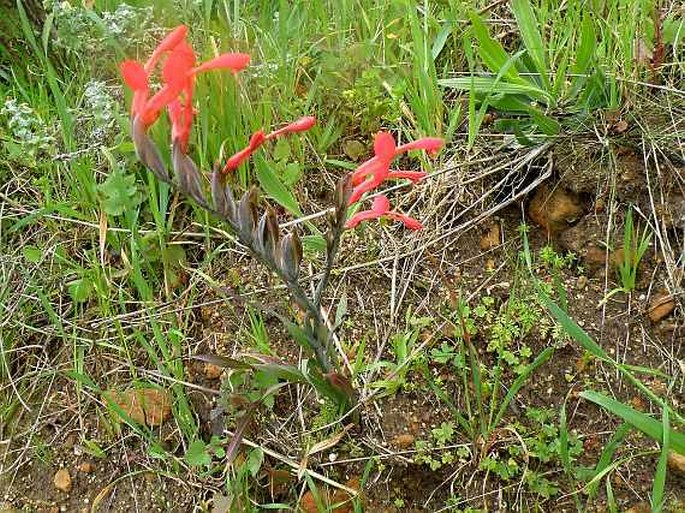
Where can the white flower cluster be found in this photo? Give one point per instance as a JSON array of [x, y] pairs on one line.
[[100, 102], [25, 125], [79, 30]]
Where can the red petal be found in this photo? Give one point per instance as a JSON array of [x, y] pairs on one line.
[[384, 146], [381, 205], [301, 125], [233, 61], [431, 144], [359, 217], [414, 176], [166, 45], [134, 75], [180, 61], [364, 170], [409, 222], [370, 184], [257, 140], [172, 39], [235, 160]]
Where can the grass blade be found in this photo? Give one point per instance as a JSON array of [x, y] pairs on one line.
[[649, 426], [660, 475], [528, 26]]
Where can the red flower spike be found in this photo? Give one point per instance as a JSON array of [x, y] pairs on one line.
[[232, 61], [381, 208], [166, 45], [258, 138], [376, 170]]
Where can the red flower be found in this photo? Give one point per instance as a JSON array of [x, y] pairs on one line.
[[381, 208], [178, 73], [258, 138], [372, 173]]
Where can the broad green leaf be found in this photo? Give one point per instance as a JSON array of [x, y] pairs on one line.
[[197, 455], [32, 254], [119, 193], [549, 126], [648, 425], [490, 50], [485, 84], [80, 289], [254, 461], [528, 26], [275, 189]]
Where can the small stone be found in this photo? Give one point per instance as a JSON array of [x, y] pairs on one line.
[[661, 307], [143, 405], [676, 462], [555, 209], [212, 371], [86, 467], [62, 480], [404, 440]]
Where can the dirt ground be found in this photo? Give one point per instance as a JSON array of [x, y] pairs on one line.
[[580, 209]]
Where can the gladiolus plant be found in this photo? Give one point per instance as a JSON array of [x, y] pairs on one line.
[[259, 230]]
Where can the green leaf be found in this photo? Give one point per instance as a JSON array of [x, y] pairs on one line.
[[32, 254], [291, 173], [282, 149], [549, 126], [660, 474], [528, 26], [197, 455], [254, 461], [119, 193], [483, 85], [649, 426], [275, 189], [80, 289], [490, 50], [575, 331]]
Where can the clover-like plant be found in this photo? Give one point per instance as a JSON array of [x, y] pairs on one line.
[[257, 227]]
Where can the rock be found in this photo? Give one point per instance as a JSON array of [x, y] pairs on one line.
[[581, 283], [676, 462], [661, 307], [492, 238], [86, 467], [354, 149], [212, 371], [555, 209], [62, 480], [404, 440], [150, 406]]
